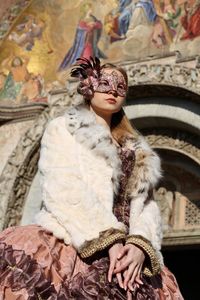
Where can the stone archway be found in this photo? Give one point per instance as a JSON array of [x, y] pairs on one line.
[[171, 124], [176, 138]]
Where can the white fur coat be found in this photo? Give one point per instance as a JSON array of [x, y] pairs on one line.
[[80, 171]]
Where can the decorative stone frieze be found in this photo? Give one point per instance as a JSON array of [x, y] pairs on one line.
[[174, 75]]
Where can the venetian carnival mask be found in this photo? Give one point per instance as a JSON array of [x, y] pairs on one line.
[[93, 78], [111, 82]]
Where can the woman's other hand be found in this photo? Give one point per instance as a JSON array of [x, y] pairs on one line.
[[131, 261], [114, 252]]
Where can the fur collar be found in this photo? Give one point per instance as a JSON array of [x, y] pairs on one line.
[[82, 124]]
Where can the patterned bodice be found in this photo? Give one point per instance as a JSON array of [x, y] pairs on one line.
[[122, 204]]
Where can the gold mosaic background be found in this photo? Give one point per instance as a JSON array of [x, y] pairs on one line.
[[41, 33]]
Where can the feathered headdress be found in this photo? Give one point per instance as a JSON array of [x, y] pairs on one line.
[[88, 72]]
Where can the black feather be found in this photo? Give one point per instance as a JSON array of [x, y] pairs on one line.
[[86, 60], [79, 72]]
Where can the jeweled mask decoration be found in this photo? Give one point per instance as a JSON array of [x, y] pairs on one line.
[[94, 78]]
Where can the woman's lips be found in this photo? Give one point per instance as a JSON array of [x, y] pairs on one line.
[[111, 100]]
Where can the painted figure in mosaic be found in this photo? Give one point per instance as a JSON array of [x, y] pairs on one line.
[[31, 90], [98, 235], [140, 30], [191, 20], [27, 32], [125, 10], [18, 74], [20, 86], [167, 22], [144, 9], [86, 39], [117, 21]]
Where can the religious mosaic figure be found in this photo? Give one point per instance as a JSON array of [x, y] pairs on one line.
[[86, 39]]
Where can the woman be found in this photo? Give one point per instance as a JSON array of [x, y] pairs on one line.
[[99, 233]]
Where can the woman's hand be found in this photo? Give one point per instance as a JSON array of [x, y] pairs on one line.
[[131, 260], [114, 252]]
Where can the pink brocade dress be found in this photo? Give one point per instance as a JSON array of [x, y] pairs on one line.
[[36, 265]]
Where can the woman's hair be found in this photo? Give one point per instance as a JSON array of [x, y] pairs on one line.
[[121, 127]]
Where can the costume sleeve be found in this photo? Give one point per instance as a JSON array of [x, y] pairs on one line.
[[146, 233], [145, 230], [69, 198]]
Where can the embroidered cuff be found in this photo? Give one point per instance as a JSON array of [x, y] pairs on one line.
[[106, 238], [151, 264]]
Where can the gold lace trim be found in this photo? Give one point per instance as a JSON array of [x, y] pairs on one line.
[[106, 238], [145, 245]]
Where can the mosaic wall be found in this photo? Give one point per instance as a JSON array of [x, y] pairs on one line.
[[40, 40]]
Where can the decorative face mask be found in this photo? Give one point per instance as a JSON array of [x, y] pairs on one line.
[[111, 82], [94, 79]]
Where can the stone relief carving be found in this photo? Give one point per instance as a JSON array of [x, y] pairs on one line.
[[20, 112], [192, 213], [165, 200], [175, 75], [177, 211]]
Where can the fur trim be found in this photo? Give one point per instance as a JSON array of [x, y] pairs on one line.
[[45, 218], [145, 218], [82, 124], [147, 170]]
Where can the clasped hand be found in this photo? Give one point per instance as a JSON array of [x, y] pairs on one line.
[[126, 263]]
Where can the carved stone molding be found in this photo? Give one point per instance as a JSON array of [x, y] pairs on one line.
[[21, 112], [22, 164], [160, 74], [175, 144]]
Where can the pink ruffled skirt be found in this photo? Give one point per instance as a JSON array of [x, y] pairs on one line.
[[36, 265]]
